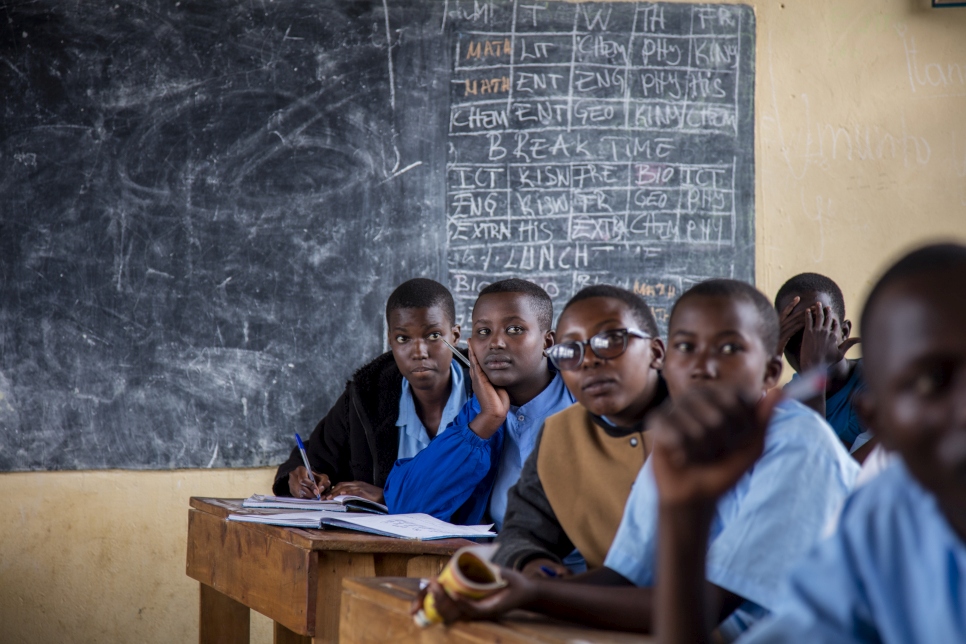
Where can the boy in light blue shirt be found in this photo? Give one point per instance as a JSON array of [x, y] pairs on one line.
[[761, 526], [895, 569], [814, 332]]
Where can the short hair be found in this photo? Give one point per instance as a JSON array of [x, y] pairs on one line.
[[808, 282], [421, 293], [635, 303], [933, 258], [540, 302], [768, 327]]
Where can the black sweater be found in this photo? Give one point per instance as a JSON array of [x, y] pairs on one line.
[[358, 439]]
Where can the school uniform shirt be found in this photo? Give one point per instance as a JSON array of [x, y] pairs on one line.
[[523, 425], [894, 572], [413, 437], [762, 526], [842, 415], [453, 477]]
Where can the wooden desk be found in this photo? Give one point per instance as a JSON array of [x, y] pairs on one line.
[[291, 575], [375, 611]]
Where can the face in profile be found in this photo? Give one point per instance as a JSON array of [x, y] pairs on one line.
[[414, 337], [619, 388], [915, 369], [507, 339], [716, 340]]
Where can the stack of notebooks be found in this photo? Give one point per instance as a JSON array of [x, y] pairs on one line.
[[337, 513], [341, 503]]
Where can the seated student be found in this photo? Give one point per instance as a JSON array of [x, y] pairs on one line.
[[814, 331], [895, 570], [574, 486], [722, 336], [471, 466], [392, 407]]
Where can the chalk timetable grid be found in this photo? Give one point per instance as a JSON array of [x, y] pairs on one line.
[[576, 158]]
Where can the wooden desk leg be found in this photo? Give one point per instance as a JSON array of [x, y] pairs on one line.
[[222, 619], [285, 636], [334, 566]]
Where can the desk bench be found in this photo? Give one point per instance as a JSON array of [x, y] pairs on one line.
[[293, 576], [375, 611]]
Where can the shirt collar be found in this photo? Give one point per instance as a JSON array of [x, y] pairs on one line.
[[408, 419], [546, 401]]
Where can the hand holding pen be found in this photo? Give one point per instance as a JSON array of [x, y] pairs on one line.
[[302, 482]]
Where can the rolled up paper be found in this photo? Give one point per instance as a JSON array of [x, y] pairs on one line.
[[468, 573]]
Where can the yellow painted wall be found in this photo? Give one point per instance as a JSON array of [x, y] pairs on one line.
[[100, 556], [861, 152]]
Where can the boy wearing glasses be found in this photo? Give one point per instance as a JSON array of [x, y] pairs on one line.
[[465, 472], [575, 483]]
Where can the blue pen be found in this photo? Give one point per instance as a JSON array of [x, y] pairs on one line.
[[549, 572], [305, 459]]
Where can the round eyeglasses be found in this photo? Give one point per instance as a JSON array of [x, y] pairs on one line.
[[606, 345]]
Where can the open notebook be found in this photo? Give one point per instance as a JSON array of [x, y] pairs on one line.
[[420, 527], [341, 503]]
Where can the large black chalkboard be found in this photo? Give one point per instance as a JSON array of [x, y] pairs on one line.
[[203, 206]]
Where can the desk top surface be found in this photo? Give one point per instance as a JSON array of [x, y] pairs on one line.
[[395, 594], [329, 538]]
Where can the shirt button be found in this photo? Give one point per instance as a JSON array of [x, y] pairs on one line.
[[521, 418], [634, 442]]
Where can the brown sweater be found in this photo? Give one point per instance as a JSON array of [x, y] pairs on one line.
[[573, 488], [587, 472]]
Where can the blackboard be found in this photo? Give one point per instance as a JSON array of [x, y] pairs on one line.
[[204, 205]]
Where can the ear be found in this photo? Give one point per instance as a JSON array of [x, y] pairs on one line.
[[456, 333], [773, 371], [846, 329], [548, 340], [657, 354]]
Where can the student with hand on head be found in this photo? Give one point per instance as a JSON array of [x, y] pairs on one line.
[[574, 486], [722, 340], [895, 569], [467, 471], [815, 332], [393, 406]]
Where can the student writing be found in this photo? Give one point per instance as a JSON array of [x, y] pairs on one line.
[[575, 483], [468, 469], [722, 335], [392, 407], [815, 331], [895, 569]]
